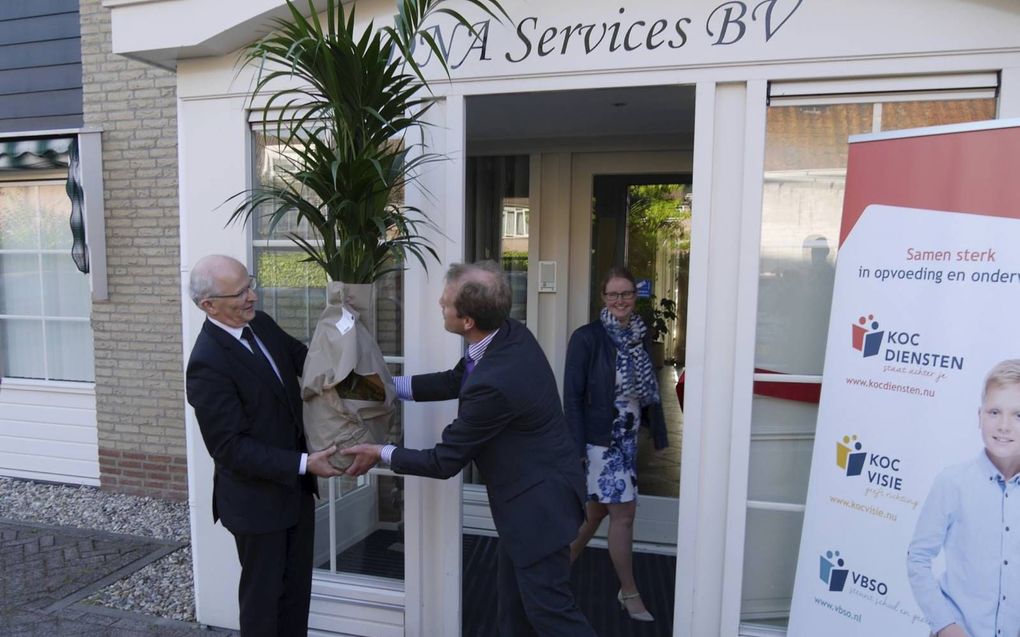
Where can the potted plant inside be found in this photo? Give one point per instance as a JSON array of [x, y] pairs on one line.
[[656, 317], [343, 100]]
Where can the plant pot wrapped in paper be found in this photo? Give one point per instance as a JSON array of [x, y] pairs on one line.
[[348, 391]]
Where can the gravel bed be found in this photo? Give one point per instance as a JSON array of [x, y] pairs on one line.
[[163, 588]]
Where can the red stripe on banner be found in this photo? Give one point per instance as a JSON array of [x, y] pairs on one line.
[[801, 392], [921, 172]]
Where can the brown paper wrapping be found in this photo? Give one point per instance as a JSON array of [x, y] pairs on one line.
[[342, 344]]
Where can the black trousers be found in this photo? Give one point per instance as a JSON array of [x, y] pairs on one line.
[[276, 577], [536, 600]]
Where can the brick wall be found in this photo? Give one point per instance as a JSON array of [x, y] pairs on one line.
[[139, 379]]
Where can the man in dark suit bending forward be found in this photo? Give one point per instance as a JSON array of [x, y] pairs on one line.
[[242, 382], [510, 422]]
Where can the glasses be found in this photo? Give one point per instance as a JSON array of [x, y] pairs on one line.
[[616, 296], [238, 295]]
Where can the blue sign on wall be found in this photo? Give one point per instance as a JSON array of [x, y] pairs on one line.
[[644, 288]]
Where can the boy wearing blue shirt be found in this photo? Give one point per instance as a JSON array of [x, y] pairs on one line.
[[972, 515]]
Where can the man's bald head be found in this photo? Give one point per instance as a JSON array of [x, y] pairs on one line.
[[208, 274], [222, 288]]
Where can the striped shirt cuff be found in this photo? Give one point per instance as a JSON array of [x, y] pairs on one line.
[[403, 386]]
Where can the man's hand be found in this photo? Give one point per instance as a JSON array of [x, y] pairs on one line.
[[366, 457], [953, 630], [318, 463]]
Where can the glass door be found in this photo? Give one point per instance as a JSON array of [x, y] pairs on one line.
[[635, 208]]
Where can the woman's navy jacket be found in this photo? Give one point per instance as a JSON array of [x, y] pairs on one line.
[[589, 390]]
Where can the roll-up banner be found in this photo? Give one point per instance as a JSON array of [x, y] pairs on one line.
[[909, 525]]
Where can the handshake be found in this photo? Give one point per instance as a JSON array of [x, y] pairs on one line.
[[366, 456]]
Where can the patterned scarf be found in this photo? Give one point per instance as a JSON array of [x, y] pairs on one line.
[[633, 365]]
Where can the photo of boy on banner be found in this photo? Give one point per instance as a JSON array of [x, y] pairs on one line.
[[970, 518]]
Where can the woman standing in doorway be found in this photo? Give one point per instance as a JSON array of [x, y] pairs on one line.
[[609, 390]]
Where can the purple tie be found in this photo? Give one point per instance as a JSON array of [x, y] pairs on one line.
[[469, 366]]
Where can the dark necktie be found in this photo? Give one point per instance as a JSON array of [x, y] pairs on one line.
[[469, 366], [249, 337]]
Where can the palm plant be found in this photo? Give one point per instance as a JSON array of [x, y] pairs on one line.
[[350, 100]]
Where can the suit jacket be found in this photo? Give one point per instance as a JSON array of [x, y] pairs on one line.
[[510, 422], [251, 425]]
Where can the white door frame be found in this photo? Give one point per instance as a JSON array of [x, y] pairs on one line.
[[656, 517]]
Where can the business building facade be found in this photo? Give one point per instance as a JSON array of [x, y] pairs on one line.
[[554, 124]]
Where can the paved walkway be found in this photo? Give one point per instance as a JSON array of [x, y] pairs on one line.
[[46, 572]]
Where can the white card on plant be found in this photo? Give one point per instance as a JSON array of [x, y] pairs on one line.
[[346, 322]]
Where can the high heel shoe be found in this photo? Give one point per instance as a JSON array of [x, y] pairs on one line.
[[643, 616]]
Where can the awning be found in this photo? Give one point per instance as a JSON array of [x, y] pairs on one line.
[[35, 154]]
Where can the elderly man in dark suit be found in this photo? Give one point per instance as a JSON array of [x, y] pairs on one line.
[[510, 422], [242, 382]]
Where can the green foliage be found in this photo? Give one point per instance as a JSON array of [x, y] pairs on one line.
[[657, 217], [288, 270], [514, 260], [353, 98], [656, 315]]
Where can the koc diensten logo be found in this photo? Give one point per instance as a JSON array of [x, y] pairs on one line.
[[905, 347], [865, 336]]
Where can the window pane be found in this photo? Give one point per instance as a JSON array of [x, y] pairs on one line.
[[21, 346], [389, 315], [65, 289], [54, 218], [770, 554], [496, 223], [292, 291], [366, 515], [20, 287], [69, 350], [782, 438], [18, 218], [270, 164], [900, 115], [359, 522], [805, 167]]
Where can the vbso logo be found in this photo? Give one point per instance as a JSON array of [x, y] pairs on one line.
[[833, 574], [865, 336], [834, 578], [882, 470]]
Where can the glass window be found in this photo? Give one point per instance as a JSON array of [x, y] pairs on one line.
[[359, 521], [804, 174], [805, 169], [496, 226], [44, 299]]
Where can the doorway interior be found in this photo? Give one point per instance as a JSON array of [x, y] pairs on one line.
[[624, 156]]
